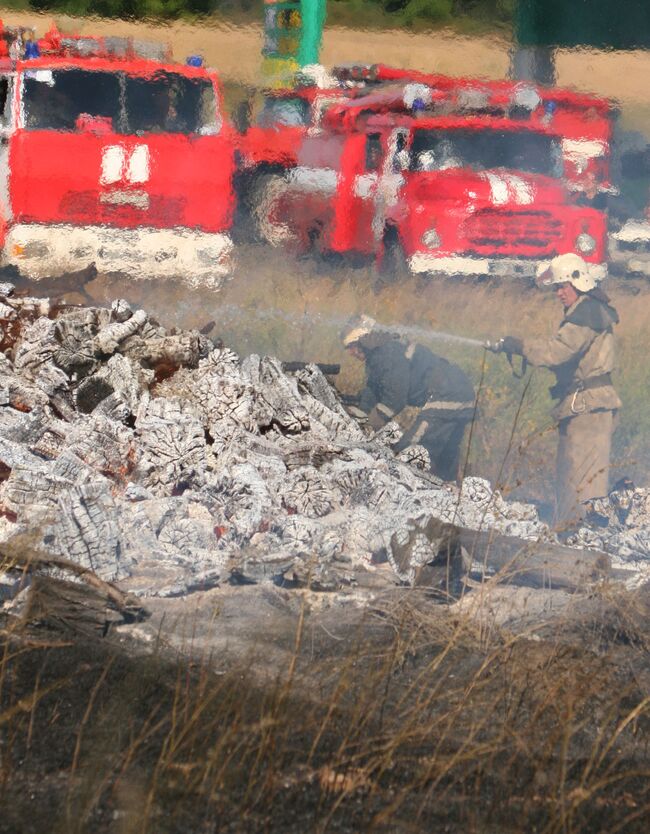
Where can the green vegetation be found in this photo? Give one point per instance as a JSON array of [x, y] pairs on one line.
[[421, 15], [412, 14], [166, 9]]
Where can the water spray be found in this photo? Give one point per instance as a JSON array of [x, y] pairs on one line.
[[230, 312], [435, 335]]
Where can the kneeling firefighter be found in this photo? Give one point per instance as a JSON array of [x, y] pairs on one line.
[[581, 354], [429, 396]]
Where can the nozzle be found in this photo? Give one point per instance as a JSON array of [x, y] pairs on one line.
[[494, 347]]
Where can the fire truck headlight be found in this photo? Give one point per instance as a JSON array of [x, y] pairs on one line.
[[31, 249], [431, 239], [585, 244]]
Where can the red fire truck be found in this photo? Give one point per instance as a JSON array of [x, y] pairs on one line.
[[461, 195], [583, 123], [116, 156], [286, 116], [270, 145]]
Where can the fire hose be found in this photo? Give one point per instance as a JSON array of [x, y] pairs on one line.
[[501, 347]]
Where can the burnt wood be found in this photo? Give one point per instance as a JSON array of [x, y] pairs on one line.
[[537, 564]]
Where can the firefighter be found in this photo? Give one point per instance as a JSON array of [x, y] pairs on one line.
[[433, 399], [581, 355]]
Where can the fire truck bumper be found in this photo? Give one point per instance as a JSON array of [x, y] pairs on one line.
[[505, 267], [629, 248], [199, 258]]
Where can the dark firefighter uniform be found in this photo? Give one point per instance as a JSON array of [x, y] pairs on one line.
[[407, 377]]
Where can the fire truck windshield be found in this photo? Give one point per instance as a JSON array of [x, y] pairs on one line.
[[480, 150], [163, 103], [289, 112], [55, 100], [169, 103]]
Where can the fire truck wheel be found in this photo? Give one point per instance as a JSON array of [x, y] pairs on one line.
[[268, 191], [315, 244], [393, 266]]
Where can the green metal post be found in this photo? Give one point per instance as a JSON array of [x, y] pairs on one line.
[[293, 33], [313, 20]]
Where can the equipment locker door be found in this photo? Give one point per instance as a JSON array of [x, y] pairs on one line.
[[6, 125], [373, 190]]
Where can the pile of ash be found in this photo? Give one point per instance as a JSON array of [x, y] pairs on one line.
[[154, 456], [619, 524]]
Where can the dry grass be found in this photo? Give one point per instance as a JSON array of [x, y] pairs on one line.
[[295, 310], [414, 718], [404, 717]]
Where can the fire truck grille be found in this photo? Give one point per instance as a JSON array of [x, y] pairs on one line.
[[523, 233], [126, 207]]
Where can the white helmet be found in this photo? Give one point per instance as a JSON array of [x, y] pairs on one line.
[[359, 327], [568, 269]]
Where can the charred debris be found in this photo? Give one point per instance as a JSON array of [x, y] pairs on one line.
[[157, 459]]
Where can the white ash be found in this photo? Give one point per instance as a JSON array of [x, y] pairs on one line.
[[106, 445], [172, 445], [479, 506], [151, 456], [87, 528], [416, 456], [619, 524]]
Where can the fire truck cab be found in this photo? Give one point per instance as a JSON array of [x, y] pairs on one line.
[[583, 123], [284, 119], [448, 194], [114, 155]]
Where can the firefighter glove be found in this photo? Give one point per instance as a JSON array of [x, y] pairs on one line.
[[512, 345], [509, 345]]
